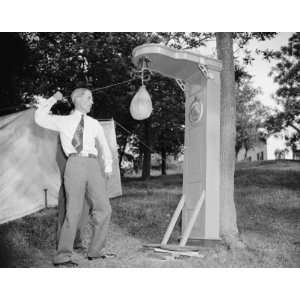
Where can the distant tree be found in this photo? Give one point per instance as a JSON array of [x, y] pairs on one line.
[[13, 53], [250, 115], [287, 74], [168, 119]]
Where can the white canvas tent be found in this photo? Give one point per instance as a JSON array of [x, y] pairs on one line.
[[31, 162]]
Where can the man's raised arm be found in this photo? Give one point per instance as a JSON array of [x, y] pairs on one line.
[[42, 115]]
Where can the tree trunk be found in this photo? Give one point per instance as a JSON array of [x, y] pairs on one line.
[[246, 152], [146, 152], [228, 222], [121, 154], [237, 150], [163, 162]]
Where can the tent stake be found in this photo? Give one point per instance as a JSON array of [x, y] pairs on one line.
[[46, 200]]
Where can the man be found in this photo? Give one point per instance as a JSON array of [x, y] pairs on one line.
[[61, 160], [83, 175]]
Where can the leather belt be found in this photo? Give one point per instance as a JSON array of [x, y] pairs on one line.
[[83, 155]]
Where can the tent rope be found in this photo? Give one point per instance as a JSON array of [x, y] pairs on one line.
[[144, 144], [95, 90], [120, 125]]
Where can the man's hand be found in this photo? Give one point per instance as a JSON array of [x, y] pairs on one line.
[[108, 175], [58, 96], [39, 101]]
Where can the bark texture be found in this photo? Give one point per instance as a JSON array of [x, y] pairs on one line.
[[146, 151], [163, 162], [228, 220]]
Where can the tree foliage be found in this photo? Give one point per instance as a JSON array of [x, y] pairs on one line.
[[95, 59], [286, 74], [14, 53], [169, 133], [250, 115], [70, 60]]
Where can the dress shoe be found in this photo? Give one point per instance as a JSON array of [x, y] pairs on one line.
[[80, 247], [67, 264], [103, 256]]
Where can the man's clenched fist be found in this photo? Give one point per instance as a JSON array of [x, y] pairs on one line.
[[58, 96]]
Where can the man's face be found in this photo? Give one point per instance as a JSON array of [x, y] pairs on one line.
[[85, 102]]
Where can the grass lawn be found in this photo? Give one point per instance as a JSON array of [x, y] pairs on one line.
[[267, 197]]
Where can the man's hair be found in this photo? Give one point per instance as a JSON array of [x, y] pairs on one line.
[[77, 93]]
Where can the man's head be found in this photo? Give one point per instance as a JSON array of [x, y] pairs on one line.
[[82, 99]]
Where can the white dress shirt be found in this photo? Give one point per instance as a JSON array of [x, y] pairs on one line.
[[66, 126]]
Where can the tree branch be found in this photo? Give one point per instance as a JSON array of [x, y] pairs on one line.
[[295, 127]]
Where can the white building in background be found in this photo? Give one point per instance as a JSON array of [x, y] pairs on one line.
[[273, 148]]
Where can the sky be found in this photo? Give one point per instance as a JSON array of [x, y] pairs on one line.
[[260, 68]]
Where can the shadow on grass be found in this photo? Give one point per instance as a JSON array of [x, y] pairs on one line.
[[146, 212], [268, 178], [289, 215], [10, 256], [167, 180], [23, 240]]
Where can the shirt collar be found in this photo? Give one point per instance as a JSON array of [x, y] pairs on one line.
[[77, 113]]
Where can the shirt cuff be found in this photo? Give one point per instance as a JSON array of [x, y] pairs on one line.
[[108, 167], [51, 101]]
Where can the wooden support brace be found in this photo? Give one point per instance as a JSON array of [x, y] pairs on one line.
[[191, 223], [180, 253], [173, 221]]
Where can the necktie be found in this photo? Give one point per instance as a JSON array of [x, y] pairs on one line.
[[77, 140]]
